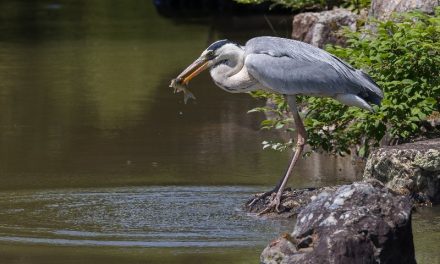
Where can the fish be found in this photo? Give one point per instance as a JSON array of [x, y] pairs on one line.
[[180, 87]]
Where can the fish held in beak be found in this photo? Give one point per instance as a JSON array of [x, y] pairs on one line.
[[180, 83], [181, 87]]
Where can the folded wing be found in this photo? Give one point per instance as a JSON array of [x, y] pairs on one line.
[[293, 67]]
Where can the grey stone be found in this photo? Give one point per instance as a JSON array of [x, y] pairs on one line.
[[292, 201], [408, 168], [323, 28], [358, 223], [382, 9]]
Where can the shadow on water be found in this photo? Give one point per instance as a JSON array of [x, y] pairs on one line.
[[85, 102]]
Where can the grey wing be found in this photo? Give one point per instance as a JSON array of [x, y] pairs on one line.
[[289, 76], [292, 67]]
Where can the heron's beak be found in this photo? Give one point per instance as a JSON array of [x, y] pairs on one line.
[[193, 70]]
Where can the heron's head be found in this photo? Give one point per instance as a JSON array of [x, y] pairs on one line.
[[218, 52]]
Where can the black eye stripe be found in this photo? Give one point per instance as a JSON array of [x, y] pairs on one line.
[[214, 46]]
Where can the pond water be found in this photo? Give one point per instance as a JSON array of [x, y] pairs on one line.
[[101, 163], [171, 216]]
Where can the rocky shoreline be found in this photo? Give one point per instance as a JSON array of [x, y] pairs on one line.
[[410, 169], [292, 201], [362, 222]]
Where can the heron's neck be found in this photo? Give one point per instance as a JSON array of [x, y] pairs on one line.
[[229, 74], [229, 64]]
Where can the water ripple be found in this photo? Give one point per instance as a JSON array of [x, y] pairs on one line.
[[172, 216]]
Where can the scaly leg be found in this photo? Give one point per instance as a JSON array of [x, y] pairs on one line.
[[300, 142], [250, 203]]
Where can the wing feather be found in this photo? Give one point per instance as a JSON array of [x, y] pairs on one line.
[[288, 76], [292, 67]]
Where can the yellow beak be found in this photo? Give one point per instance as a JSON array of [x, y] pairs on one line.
[[193, 70]]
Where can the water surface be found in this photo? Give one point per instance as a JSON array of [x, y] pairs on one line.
[[158, 224], [171, 216]]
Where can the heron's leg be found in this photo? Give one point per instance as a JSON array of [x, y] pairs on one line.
[[300, 142], [264, 195]]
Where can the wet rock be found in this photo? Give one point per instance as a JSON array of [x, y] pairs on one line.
[[382, 9], [358, 223], [292, 201], [412, 168], [323, 28]]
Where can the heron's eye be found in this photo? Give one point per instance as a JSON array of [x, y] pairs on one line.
[[210, 53]]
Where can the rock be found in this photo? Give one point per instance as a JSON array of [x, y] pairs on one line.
[[292, 201], [382, 9], [324, 27], [408, 168], [359, 223]]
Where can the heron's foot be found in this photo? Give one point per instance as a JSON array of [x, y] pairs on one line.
[[260, 197], [273, 206], [266, 203]]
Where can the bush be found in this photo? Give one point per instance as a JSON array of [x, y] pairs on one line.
[[292, 4], [403, 57], [312, 4]]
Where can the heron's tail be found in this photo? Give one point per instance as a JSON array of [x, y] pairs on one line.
[[372, 94]]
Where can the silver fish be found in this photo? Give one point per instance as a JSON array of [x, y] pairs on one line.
[[180, 87]]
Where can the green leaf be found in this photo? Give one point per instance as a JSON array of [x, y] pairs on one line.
[[279, 125]]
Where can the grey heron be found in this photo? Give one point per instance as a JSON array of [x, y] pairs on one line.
[[286, 67]]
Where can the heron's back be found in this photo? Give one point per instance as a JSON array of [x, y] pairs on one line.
[[293, 67]]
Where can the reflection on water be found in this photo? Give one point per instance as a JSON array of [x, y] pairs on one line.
[[85, 102]]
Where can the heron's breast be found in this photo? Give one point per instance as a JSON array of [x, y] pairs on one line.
[[239, 82]]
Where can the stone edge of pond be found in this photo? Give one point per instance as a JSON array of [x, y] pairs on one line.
[[411, 169], [416, 166], [294, 200], [363, 222]]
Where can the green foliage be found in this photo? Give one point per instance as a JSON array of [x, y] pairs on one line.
[[315, 4], [292, 4], [356, 5], [403, 57]]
